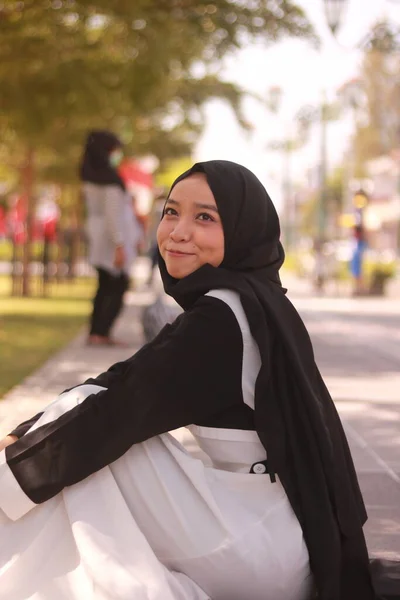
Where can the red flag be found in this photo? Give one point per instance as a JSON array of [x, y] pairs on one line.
[[132, 172]]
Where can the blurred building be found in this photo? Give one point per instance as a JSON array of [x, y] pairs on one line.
[[382, 212]]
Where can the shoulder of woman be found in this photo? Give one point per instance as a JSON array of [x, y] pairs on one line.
[[225, 301], [217, 312], [209, 330], [217, 299]]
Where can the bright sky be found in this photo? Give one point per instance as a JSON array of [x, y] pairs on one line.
[[303, 73]]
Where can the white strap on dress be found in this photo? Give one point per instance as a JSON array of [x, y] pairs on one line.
[[251, 353], [235, 450]]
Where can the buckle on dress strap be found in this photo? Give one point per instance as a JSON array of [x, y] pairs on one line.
[[260, 467]]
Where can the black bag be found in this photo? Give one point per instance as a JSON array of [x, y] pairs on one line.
[[386, 578]]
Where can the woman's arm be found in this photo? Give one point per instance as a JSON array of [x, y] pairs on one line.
[[190, 371], [104, 380], [22, 428]]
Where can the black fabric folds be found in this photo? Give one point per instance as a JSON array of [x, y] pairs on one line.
[[295, 417], [95, 166]]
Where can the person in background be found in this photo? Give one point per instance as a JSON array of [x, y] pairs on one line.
[[319, 272], [140, 234], [154, 221], [111, 230], [357, 260]]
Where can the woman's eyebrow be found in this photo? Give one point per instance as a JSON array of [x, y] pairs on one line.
[[197, 204], [207, 206]]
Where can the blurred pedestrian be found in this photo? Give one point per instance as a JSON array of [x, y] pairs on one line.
[[140, 224], [154, 221], [357, 260], [279, 513], [320, 267], [111, 230]]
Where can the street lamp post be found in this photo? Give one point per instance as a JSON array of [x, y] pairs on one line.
[[287, 146], [323, 172], [334, 12], [320, 115]]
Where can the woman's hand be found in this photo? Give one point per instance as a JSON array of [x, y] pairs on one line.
[[7, 441]]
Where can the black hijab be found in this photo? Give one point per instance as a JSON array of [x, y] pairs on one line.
[[294, 414], [96, 167]]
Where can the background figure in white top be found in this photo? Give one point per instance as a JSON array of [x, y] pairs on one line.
[[112, 230]]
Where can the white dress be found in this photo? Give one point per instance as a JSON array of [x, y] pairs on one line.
[[159, 523]]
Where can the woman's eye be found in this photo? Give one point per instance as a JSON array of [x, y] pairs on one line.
[[170, 211], [205, 217]]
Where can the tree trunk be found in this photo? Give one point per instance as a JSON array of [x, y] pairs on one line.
[[77, 227], [27, 178]]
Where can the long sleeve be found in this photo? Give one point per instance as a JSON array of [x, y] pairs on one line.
[[24, 427], [114, 202], [104, 380], [191, 371]]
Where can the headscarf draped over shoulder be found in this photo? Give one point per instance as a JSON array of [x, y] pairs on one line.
[[295, 417]]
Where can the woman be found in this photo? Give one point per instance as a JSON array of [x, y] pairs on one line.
[[276, 516], [111, 228]]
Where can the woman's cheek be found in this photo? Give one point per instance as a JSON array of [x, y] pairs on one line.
[[161, 234]]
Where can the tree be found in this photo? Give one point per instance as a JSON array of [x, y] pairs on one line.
[[305, 118], [172, 169], [335, 186], [378, 127], [70, 65]]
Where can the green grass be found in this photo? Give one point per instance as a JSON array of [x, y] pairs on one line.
[[32, 329], [5, 250]]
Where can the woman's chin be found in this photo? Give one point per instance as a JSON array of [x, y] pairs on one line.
[[180, 272]]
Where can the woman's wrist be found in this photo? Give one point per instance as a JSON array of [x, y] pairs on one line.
[[7, 441]]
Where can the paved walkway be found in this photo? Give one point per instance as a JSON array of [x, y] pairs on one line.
[[357, 344]]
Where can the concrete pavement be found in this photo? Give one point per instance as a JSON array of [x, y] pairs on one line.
[[357, 344]]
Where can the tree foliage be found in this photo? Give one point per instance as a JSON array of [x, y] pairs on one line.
[[335, 186], [378, 130], [166, 177], [70, 65]]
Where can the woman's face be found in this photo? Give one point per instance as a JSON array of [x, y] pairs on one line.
[[190, 234]]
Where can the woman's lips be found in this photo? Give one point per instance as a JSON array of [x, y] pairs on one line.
[[178, 254]]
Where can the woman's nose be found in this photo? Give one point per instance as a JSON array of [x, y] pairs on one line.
[[181, 232]]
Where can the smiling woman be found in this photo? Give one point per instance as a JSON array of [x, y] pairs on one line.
[[190, 234], [273, 513]]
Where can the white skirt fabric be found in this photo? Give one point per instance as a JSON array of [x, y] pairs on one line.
[[158, 524]]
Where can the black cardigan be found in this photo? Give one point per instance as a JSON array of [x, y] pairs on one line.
[[190, 373]]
